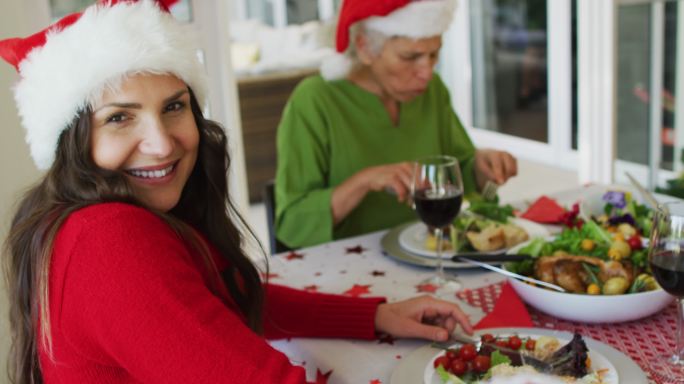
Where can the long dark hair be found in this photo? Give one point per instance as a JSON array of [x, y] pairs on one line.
[[74, 181]]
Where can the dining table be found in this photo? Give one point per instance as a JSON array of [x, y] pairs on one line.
[[360, 267]]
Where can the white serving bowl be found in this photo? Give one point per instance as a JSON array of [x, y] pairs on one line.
[[592, 308]]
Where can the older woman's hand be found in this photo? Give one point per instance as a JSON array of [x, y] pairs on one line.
[[390, 177], [394, 177], [497, 166], [422, 317]]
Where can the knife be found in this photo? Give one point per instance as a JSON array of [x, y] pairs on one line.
[[509, 273], [491, 257]]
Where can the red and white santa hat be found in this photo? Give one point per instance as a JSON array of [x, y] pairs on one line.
[[64, 67], [415, 19]]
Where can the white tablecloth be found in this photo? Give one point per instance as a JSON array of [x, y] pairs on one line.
[[339, 267]]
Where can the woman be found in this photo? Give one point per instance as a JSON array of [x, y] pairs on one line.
[[124, 263], [346, 138]]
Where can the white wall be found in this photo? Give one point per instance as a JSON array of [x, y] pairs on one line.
[[16, 168]]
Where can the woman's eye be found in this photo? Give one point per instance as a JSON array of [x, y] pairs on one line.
[[174, 106], [116, 118]]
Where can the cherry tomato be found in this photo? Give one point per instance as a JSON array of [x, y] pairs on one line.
[[530, 344], [635, 242], [442, 360], [487, 338], [502, 343], [451, 354], [458, 367], [481, 363], [514, 342], [467, 352]]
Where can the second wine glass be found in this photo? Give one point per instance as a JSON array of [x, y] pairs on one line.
[[437, 191], [666, 259]]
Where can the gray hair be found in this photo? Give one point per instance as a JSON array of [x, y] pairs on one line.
[[376, 41]]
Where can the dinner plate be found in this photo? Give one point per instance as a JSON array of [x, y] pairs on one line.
[[413, 237], [417, 367], [392, 249]]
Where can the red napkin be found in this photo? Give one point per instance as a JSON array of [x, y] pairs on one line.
[[544, 210], [509, 311]]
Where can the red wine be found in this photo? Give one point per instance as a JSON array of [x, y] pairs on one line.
[[438, 211], [668, 270]]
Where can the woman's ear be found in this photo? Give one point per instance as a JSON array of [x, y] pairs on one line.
[[363, 49]]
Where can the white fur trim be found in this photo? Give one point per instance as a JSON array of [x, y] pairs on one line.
[[336, 66], [418, 19], [77, 63]]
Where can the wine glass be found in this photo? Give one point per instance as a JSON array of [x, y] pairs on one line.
[[666, 258], [437, 192]]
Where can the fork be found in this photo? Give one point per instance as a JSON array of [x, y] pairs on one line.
[[489, 191]]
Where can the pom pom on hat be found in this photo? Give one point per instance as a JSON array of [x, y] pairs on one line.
[[64, 66], [336, 66]]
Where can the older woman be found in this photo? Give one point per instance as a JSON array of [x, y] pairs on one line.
[[347, 137]]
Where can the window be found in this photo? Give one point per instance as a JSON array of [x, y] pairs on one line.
[[279, 13], [60, 8], [646, 63], [511, 68]]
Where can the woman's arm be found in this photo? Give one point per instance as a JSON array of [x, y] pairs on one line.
[[131, 296]]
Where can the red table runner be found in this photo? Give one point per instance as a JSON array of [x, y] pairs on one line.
[[640, 340]]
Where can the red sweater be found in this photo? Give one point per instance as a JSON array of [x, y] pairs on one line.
[[128, 304]]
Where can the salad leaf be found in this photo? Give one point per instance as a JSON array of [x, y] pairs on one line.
[[447, 377], [498, 358], [596, 233], [492, 211], [534, 248]]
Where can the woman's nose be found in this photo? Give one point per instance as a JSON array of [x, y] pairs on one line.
[[157, 141], [424, 71]]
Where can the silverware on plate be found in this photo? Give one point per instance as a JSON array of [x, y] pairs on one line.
[[508, 273]]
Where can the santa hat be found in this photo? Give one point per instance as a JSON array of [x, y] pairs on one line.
[[415, 19], [65, 66]]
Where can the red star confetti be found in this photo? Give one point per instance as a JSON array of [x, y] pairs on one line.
[[375, 381], [357, 290], [311, 288], [378, 273], [428, 288], [322, 378], [358, 249], [270, 275], [294, 255], [317, 274], [386, 339]]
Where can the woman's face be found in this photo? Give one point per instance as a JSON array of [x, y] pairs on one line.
[[146, 130], [404, 66]]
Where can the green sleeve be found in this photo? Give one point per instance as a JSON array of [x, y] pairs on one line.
[[459, 144], [302, 193]]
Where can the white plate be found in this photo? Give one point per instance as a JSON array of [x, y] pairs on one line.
[[414, 236], [591, 308], [417, 367]]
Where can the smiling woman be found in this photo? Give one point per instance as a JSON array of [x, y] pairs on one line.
[[146, 129], [125, 261]]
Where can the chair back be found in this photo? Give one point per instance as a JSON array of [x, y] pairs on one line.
[[269, 203]]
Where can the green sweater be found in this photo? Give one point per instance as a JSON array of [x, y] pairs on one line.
[[332, 129]]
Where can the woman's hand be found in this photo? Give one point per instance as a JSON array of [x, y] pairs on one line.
[[395, 177], [497, 166], [390, 177], [421, 317]]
